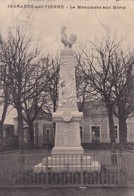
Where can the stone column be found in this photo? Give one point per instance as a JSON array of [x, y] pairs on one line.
[[67, 116]]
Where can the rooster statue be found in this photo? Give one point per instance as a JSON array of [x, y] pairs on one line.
[[64, 39]]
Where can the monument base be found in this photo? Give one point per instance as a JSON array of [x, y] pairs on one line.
[[68, 150], [67, 135], [67, 163]]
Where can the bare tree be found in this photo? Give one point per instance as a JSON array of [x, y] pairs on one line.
[[4, 93], [110, 72], [39, 98], [85, 92], [53, 87], [122, 73], [96, 65], [21, 60]]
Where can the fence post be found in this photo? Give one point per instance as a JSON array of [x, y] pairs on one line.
[[46, 171], [81, 170]]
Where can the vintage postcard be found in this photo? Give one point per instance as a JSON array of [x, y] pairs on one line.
[[46, 68]]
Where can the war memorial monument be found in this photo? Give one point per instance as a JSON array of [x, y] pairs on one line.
[[67, 149]]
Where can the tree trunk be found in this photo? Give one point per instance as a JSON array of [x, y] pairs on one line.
[[1, 131], [54, 105], [1, 136], [111, 124], [20, 128], [122, 131], [2, 121], [31, 135]]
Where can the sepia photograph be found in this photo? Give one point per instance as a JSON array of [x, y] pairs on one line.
[[66, 97]]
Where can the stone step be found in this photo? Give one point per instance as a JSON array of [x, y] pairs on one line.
[[63, 160]]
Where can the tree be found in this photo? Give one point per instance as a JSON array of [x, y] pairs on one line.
[[96, 65], [110, 72], [21, 60], [39, 98], [53, 87], [122, 73], [4, 93], [85, 92]]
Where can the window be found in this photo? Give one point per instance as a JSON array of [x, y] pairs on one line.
[[116, 128], [44, 133], [36, 134], [48, 135], [95, 134], [116, 131], [81, 132]]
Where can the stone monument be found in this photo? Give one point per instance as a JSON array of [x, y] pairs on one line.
[[67, 116], [67, 149]]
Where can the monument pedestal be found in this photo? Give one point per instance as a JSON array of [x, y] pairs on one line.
[[67, 135]]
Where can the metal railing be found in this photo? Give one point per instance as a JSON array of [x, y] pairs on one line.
[[94, 169]]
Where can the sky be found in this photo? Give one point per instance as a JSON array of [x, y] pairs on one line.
[[87, 24]]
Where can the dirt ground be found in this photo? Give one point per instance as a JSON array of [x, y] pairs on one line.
[[70, 192]]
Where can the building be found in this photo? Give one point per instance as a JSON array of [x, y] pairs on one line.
[[10, 141], [43, 130], [94, 127]]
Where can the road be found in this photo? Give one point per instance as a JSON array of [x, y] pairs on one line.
[[70, 192]]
